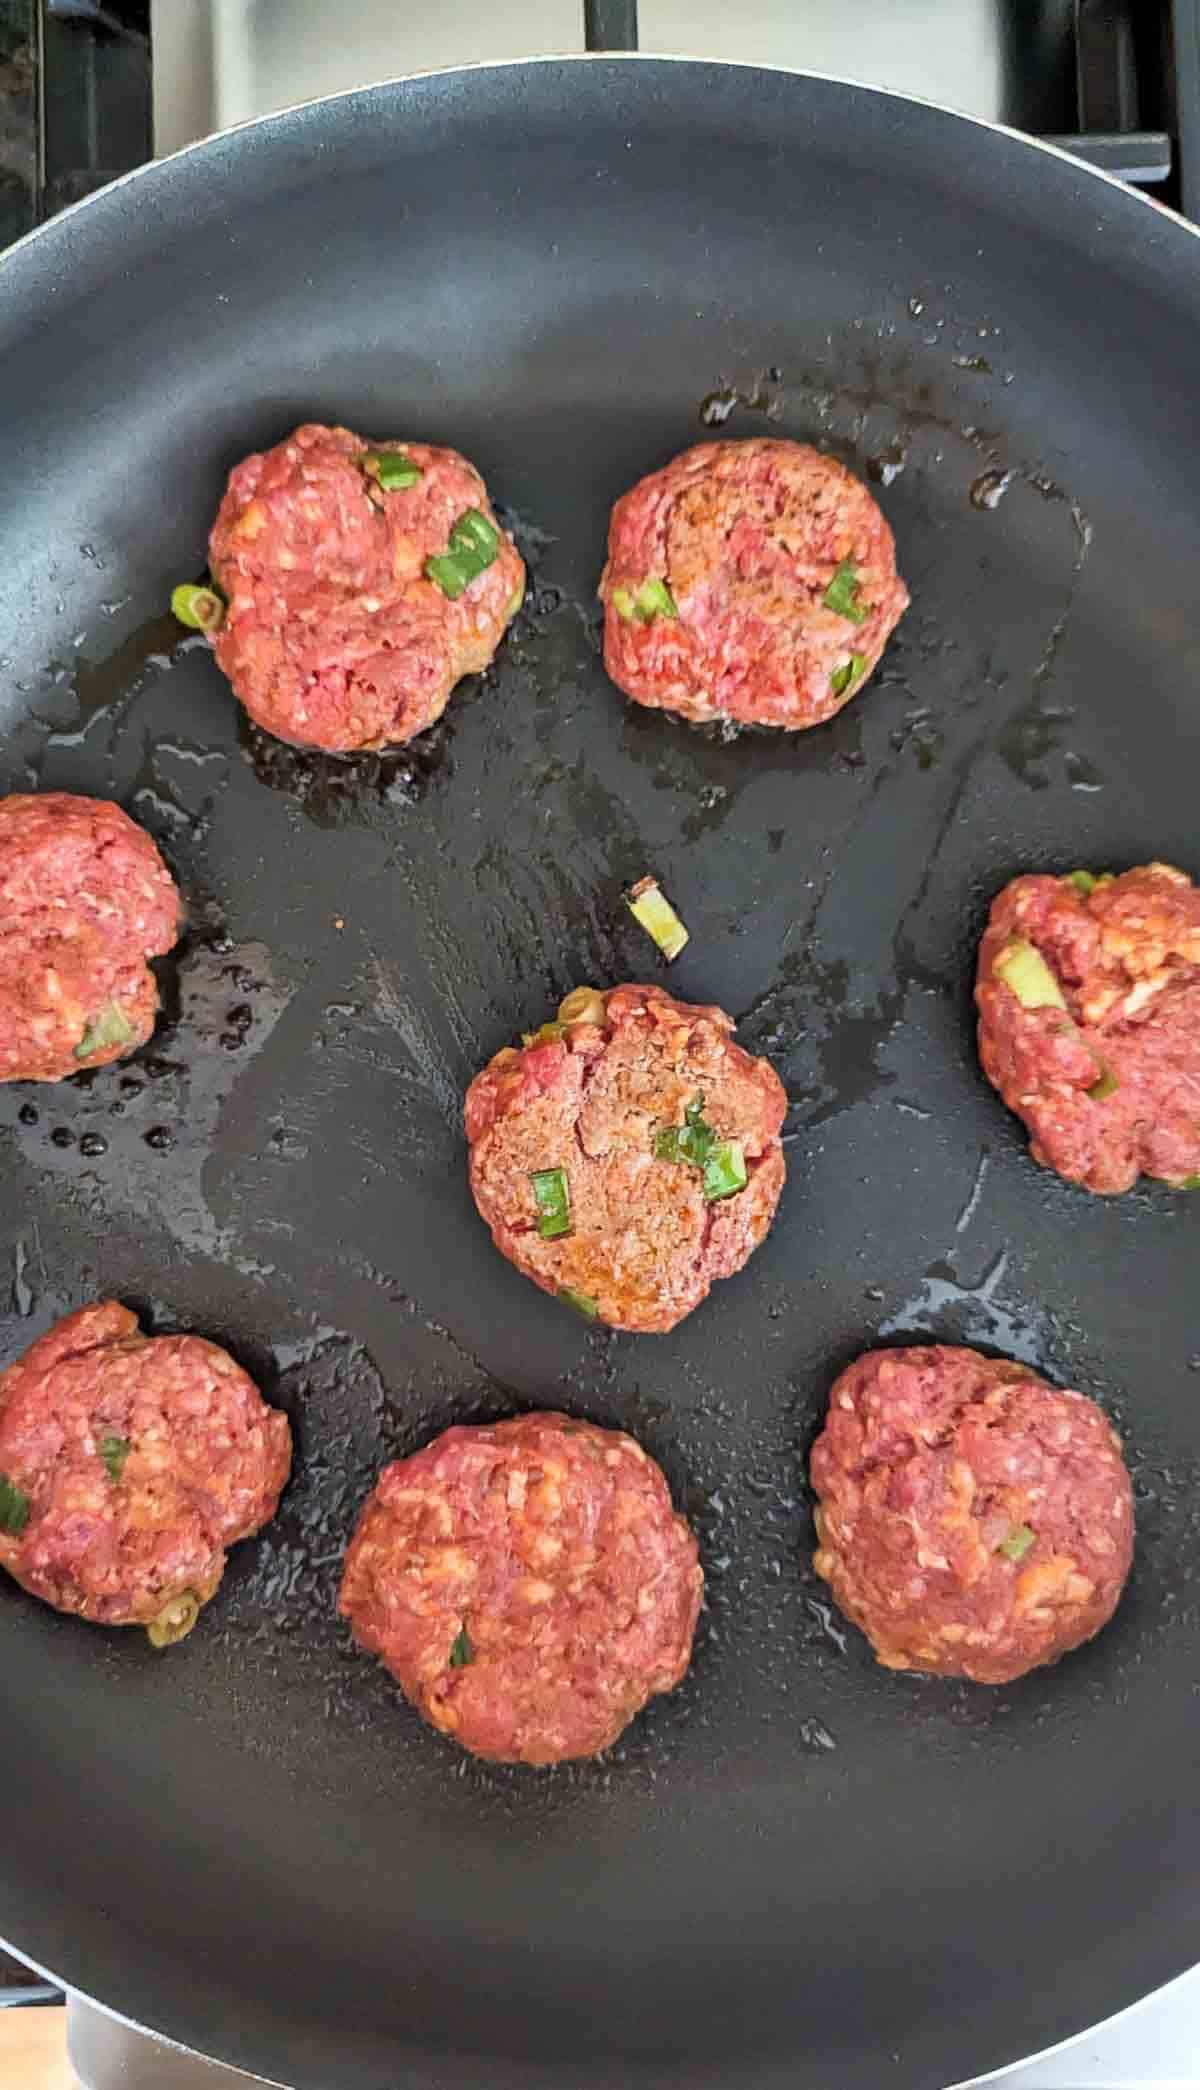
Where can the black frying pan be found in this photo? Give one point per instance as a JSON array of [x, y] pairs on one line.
[[799, 1870]]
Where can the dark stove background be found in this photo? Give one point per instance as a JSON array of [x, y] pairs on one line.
[[1118, 79], [18, 118], [95, 95]]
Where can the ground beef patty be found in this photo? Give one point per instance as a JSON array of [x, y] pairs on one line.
[[128, 1464], [629, 1155], [528, 1585], [1089, 1022], [85, 900], [753, 581], [972, 1520], [335, 636]]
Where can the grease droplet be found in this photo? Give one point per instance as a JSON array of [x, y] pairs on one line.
[[990, 488], [816, 1736]]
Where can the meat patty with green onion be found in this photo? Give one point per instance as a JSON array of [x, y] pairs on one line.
[[527, 1583], [1089, 1022], [361, 582], [628, 1154], [753, 582], [972, 1520], [85, 901], [129, 1464]]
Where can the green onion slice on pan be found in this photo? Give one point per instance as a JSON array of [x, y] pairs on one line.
[[1026, 974], [462, 1651], [553, 1199], [582, 1302], [1018, 1542], [725, 1170], [841, 596], [392, 470], [473, 545], [14, 1507], [110, 1027], [201, 609], [650, 906], [114, 1451], [845, 677]]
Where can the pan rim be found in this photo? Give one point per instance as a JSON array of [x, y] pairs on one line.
[[175, 2046], [585, 59], [285, 116], [996, 2075]]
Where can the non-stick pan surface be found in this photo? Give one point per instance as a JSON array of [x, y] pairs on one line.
[[799, 1870]]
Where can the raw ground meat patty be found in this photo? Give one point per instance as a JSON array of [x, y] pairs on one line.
[[334, 637], [972, 1520], [624, 1101], [1101, 1055], [85, 900], [528, 1584], [128, 1464], [753, 581]]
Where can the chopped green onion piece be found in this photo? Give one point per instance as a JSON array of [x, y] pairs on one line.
[[582, 1302], [110, 1027], [845, 677], [392, 469], [462, 1651], [515, 600], [544, 1035], [1187, 1183], [650, 906], [451, 574], [1106, 1086], [697, 1143], [694, 1141], [475, 536], [1026, 974], [201, 609], [14, 1507], [841, 596], [553, 1199], [583, 1005], [474, 543], [175, 1620], [725, 1170], [653, 599], [114, 1451], [697, 1140], [1018, 1542], [1085, 882]]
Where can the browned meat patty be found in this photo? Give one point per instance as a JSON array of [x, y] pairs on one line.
[[753, 581], [128, 1465], [350, 615], [85, 900], [1089, 1022], [528, 1585], [656, 1137], [972, 1520]]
